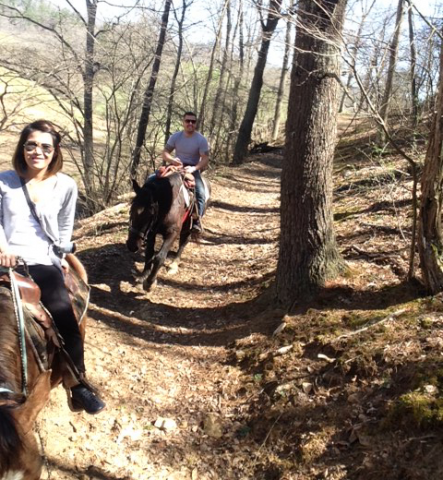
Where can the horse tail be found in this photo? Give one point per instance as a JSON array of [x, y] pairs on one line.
[[10, 440]]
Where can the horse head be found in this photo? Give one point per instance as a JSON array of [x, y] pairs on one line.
[[143, 215]]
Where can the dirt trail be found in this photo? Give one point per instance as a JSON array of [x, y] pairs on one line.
[[165, 354]]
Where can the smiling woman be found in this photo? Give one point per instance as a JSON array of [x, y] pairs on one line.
[[37, 209]]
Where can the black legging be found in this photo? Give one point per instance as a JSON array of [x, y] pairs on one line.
[[56, 299]]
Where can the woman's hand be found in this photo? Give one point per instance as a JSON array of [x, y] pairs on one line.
[[65, 265], [8, 260]]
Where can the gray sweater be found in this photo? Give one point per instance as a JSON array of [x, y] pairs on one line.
[[22, 233]]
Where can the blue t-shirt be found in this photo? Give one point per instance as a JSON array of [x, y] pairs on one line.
[[188, 149]]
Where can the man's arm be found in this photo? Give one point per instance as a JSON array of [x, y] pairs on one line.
[[168, 158], [204, 157], [203, 162]]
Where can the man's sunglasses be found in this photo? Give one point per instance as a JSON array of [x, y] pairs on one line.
[[188, 120], [46, 148]]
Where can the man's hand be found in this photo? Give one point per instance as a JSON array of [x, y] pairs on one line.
[[8, 260], [190, 169], [177, 162]]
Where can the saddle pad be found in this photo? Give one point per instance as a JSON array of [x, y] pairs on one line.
[[33, 330], [79, 293], [186, 196]]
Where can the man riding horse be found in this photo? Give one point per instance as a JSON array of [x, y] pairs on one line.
[[192, 153]]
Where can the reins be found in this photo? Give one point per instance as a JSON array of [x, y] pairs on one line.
[[144, 234], [18, 310]]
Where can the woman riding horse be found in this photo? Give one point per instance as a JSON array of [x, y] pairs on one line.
[[37, 209]]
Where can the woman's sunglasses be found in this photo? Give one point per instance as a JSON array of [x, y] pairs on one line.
[[46, 148]]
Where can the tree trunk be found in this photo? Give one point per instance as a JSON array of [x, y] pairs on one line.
[[430, 239], [371, 82], [202, 113], [283, 75], [146, 109], [237, 81], [308, 253], [218, 96], [180, 23], [244, 134], [393, 52], [88, 78], [354, 52], [414, 93]]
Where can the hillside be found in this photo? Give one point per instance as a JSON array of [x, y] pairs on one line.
[[206, 379]]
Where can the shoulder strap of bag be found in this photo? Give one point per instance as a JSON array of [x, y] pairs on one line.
[[32, 208]]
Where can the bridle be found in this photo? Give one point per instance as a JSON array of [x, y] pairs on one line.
[[143, 234]]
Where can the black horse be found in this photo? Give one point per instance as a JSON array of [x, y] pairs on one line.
[[161, 206]]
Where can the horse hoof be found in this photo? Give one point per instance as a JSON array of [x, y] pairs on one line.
[[148, 286]]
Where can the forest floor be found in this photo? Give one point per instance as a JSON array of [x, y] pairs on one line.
[[205, 378]]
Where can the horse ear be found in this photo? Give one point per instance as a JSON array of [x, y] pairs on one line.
[[136, 186]]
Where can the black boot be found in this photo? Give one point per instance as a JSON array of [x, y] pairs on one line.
[[84, 399], [196, 226]]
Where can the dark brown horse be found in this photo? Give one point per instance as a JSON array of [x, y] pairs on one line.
[[24, 390], [159, 207]]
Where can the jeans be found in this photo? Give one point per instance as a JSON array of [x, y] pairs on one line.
[[199, 192]]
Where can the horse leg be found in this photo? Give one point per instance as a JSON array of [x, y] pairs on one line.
[[185, 236], [149, 257], [159, 259]]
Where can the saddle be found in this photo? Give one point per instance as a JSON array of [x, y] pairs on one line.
[[188, 178], [39, 326]]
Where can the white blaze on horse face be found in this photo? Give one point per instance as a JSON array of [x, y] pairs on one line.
[[15, 475]]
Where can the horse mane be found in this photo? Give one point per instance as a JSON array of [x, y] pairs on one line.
[[10, 441], [159, 190]]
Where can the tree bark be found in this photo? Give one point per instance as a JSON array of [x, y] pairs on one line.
[[244, 134], [308, 253], [147, 103], [88, 79], [430, 239]]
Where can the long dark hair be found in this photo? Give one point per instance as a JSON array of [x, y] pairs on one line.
[[18, 160]]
